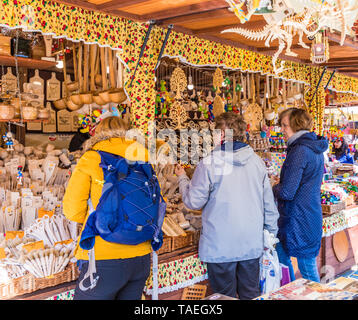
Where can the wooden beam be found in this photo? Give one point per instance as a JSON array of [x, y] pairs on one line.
[[119, 4], [248, 25], [347, 43], [91, 6], [340, 64], [196, 17], [188, 9], [266, 49]]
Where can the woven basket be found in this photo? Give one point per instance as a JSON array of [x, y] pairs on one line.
[[182, 241], [28, 283], [350, 200], [196, 237], [53, 280], [166, 246], [75, 272], [329, 209], [17, 287]]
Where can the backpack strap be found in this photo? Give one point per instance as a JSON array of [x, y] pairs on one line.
[[91, 262]]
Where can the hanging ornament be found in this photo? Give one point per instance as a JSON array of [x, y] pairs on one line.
[[19, 175], [320, 48], [7, 137]]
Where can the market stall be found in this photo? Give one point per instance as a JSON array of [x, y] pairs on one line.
[[172, 79]]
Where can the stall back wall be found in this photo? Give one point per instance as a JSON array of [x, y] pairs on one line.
[[75, 23]]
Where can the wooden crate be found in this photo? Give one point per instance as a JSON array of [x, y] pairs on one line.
[[166, 246], [183, 241], [194, 292], [328, 209]]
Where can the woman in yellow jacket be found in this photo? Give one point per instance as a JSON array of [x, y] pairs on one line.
[[122, 269]]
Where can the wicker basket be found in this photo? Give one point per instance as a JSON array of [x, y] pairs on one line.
[[183, 241], [350, 200], [17, 287], [53, 280], [329, 209], [28, 283], [196, 237], [74, 271], [166, 246]]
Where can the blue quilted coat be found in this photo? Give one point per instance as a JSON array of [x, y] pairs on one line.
[[298, 196]]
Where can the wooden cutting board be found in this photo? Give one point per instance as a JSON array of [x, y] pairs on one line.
[[340, 245], [37, 83], [50, 126], [53, 88], [64, 121], [74, 121], [9, 82]]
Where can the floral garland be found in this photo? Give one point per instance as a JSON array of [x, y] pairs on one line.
[[127, 36], [333, 224], [178, 274]]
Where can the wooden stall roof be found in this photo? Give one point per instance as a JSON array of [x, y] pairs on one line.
[[207, 18]]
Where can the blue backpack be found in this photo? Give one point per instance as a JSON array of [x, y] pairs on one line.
[[131, 208]]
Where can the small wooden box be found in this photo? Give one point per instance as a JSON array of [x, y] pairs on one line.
[[5, 46], [328, 209]]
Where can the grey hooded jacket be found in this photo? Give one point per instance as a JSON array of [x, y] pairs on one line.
[[234, 191]]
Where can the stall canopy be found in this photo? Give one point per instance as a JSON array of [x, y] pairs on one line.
[[197, 39]]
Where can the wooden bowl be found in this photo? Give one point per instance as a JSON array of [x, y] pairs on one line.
[[7, 111], [269, 115], [86, 98], [72, 106], [298, 96], [98, 100], [72, 86], [105, 96], [276, 100], [117, 95], [76, 98], [60, 104], [244, 102], [43, 114], [29, 113]]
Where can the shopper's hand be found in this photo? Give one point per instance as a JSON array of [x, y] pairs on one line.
[[179, 170], [275, 180]]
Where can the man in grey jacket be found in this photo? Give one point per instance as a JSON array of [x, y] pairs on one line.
[[232, 187]]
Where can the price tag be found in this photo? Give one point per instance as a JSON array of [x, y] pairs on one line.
[[68, 241], [33, 246], [13, 234], [42, 212], [2, 253]]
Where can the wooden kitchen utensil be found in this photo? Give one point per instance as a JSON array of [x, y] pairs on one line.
[[53, 88], [74, 85], [38, 84]]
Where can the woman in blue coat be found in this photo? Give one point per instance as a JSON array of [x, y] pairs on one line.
[[298, 194]]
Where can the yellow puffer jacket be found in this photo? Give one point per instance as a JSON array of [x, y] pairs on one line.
[[87, 180]]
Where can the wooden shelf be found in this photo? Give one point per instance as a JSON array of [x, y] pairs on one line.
[[19, 120], [9, 61]]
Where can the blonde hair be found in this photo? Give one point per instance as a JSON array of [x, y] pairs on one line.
[[299, 119], [233, 121], [112, 125]]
